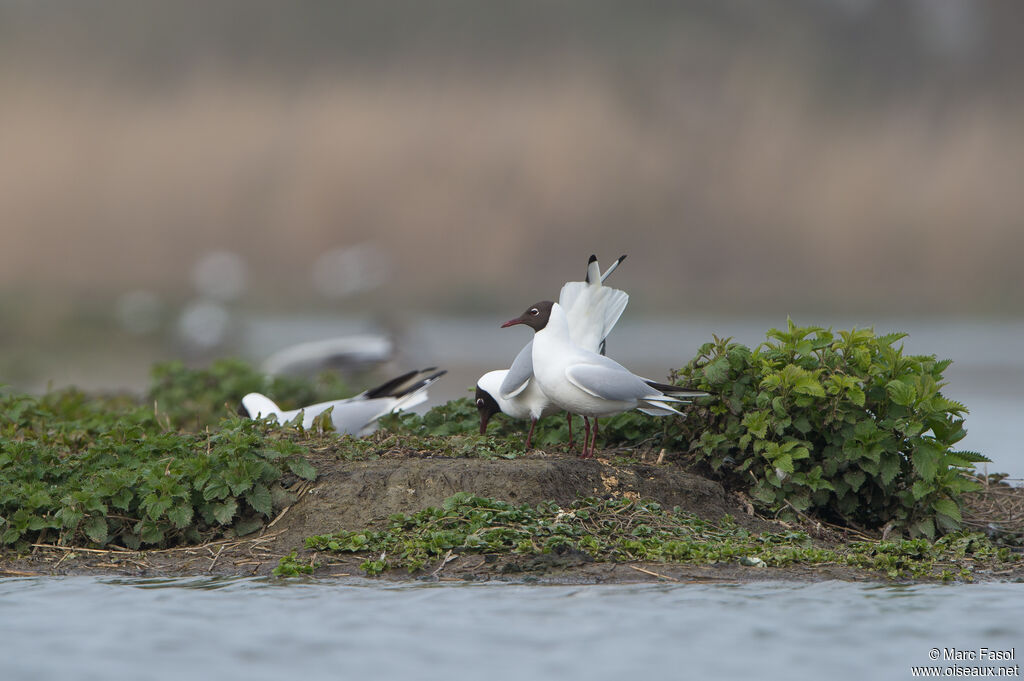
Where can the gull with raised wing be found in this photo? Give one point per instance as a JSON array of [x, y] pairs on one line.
[[354, 415], [584, 382], [593, 309]]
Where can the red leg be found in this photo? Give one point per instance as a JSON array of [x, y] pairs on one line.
[[586, 437], [568, 417], [529, 436], [593, 440]]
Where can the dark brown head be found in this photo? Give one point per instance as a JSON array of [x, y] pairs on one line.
[[486, 406], [536, 317]]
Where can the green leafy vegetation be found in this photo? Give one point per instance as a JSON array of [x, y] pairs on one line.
[[625, 530], [196, 398], [77, 469], [842, 424], [839, 425], [291, 566]]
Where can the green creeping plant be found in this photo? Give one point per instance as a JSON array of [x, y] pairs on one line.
[[76, 469], [197, 398], [618, 530]]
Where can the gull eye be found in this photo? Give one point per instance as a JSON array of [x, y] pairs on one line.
[[534, 311], [480, 402]]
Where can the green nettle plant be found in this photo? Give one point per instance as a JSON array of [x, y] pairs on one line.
[[842, 425], [75, 468], [196, 398]]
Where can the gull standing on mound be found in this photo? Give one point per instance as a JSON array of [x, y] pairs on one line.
[[583, 382], [593, 309], [355, 415]]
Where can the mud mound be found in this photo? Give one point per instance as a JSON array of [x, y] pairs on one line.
[[359, 494], [353, 495]]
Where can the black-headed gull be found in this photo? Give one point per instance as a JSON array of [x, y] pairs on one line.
[[355, 415], [583, 382], [593, 309]]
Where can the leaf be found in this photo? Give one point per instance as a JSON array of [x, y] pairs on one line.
[[972, 457], [246, 526], [181, 515], [926, 461], [260, 499], [901, 393], [779, 406], [131, 540], [763, 492], [95, 529], [156, 505], [854, 478], [948, 508], [802, 424], [716, 372], [224, 512], [216, 489], [925, 527], [150, 532], [757, 423], [808, 385], [889, 467], [302, 468], [921, 489]]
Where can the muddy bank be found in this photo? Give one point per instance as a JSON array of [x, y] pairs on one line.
[[363, 494]]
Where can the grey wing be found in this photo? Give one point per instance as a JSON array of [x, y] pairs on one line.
[[608, 382], [519, 374]]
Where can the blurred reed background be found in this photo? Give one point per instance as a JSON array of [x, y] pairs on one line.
[[167, 169]]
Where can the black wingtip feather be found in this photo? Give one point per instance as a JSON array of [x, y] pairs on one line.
[[421, 383], [676, 390], [593, 258], [385, 389]]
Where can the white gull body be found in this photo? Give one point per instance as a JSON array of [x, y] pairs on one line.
[[583, 382], [354, 415]]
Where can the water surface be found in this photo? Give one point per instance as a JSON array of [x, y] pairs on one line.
[[87, 628]]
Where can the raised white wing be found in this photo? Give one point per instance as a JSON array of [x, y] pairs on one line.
[[592, 313]]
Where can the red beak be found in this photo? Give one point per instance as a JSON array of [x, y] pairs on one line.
[[512, 322]]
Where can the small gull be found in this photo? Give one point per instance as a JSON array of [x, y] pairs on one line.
[[355, 415]]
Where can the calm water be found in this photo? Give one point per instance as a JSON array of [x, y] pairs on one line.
[[87, 628]]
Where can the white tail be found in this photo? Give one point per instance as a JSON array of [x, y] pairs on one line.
[[260, 406]]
